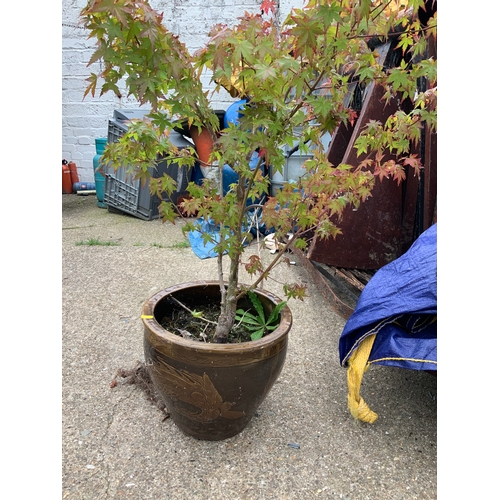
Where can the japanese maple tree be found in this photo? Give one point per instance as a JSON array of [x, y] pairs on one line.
[[296, 78]]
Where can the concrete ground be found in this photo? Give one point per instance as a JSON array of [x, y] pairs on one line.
[[302, 443]]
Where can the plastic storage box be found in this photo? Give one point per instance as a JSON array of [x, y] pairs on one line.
[[123, 193], [293, 169]]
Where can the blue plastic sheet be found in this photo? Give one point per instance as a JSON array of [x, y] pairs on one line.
[[399, 305], [204, 250]]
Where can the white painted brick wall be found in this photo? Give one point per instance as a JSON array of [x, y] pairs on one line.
[[85, 120]]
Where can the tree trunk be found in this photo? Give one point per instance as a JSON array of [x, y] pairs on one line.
[[229, 295], [228, 307]]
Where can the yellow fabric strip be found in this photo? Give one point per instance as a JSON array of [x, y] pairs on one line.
[[373, 331], [357, 367]]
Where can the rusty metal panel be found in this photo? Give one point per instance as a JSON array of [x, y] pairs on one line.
[[372, 234], [338, 145], [414, 203]]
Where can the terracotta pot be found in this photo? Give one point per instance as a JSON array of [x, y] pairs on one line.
[[203, 143], [211, 390]]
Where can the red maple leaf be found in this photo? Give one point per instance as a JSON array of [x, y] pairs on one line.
[[352, 115], [399, 173], [268, 5], [413, 161]]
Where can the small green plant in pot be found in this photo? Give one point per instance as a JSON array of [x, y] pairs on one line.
[[258, 323], [295, 80]]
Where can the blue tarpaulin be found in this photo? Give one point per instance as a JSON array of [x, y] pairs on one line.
[[399, 306], [204, 249]]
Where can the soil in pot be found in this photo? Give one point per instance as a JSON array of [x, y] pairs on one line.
[[200, 324]]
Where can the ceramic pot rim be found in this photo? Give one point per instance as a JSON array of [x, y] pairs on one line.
[[150, 321]]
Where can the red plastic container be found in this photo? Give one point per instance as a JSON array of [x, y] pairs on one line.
[[67, 185]]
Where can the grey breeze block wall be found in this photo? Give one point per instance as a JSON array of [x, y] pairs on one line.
[[84, 120]]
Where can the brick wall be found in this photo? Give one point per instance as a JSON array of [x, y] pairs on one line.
[[85, 120]]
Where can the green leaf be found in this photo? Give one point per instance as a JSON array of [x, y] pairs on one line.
[[243, 49], [306, 32], [258, 306], [258, 334], [251, 321], [363, 9], [247, 318], [275, 315], [330, 13], [366, 73], [264, 71]]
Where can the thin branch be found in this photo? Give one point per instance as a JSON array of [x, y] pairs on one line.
[[192, 312], [372, 11], [281, 251]]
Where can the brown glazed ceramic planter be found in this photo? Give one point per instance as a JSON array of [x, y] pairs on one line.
[[211, 390]]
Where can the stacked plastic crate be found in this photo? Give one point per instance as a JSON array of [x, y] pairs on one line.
[[294, 170], [122, 192]]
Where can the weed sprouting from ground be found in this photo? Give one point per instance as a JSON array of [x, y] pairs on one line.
[[177, 245], [97, 242], [180, 244]]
